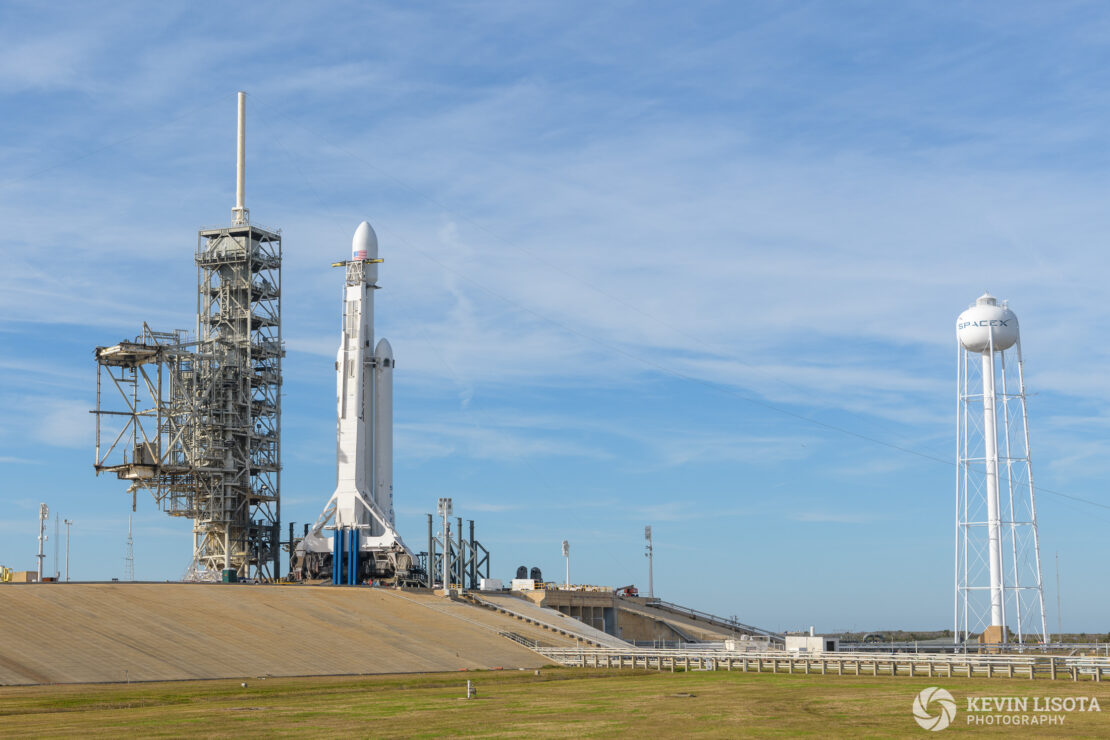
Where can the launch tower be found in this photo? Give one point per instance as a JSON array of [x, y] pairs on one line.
[[201, 423]]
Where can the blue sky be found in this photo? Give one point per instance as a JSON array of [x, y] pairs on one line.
[[691, 266]]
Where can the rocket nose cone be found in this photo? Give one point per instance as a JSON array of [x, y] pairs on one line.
[[384, 350], [364, 244]]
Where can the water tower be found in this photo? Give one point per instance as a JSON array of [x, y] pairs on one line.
[[998, 557]]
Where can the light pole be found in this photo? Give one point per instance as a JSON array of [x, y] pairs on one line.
[[444, 509], [44, 514], [566, 554], [69, 523], [1059, 614], [649, 555]]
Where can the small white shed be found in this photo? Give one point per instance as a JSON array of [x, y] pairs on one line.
[[812, 644]]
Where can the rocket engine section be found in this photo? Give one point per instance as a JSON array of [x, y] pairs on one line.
[[355, 540]]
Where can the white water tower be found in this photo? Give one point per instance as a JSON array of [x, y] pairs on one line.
[[998, 556]]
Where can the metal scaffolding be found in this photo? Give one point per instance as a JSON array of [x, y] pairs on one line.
[[199, 425], [467, 560]]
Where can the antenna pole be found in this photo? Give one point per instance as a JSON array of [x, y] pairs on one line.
[[44, 515], [566, 554], [1059, 614], [444, 508], [69, 523], [129, 559]]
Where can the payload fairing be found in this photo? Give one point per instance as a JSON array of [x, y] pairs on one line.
[[355, 537]]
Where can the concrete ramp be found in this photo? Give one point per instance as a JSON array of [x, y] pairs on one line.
[[490, 620], [527, 610], [701, 626], [96, 632], [686, 628]]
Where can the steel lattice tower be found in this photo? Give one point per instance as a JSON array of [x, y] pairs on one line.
[[239, 368]]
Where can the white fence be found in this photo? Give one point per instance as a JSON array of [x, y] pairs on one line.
[[841, 664]]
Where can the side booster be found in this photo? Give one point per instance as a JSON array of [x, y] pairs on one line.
[[354, 540]]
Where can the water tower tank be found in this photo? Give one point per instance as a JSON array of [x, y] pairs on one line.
[[987, 325]]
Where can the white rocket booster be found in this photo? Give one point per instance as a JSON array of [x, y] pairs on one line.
[[383, 429]]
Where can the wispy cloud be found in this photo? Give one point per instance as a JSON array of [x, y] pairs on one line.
[[487, 443], [19, 460], [840, 517], [53, 422], [496, 508]]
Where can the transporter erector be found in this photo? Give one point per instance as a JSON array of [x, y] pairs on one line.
[[354, 540]]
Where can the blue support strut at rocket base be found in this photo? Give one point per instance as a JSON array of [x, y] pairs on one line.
[[344, 548], [337, 557], [352, 559]]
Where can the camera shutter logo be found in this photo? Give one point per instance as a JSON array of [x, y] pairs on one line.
[[943, 702]]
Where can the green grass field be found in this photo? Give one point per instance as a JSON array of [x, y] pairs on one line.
[[557, 703]]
